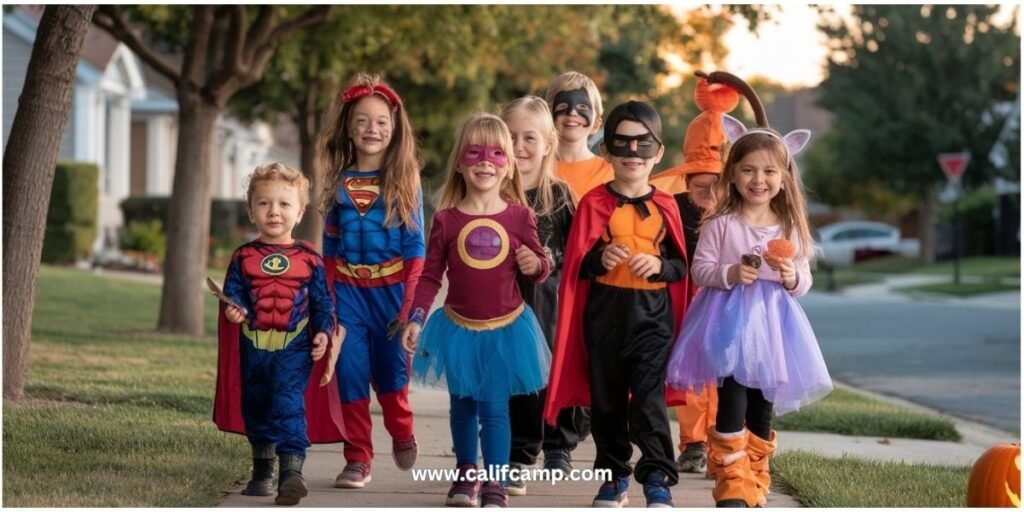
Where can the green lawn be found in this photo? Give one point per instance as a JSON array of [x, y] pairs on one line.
[[961, 290], [849, 413], [820, 481], [989, 269], [115, 415]]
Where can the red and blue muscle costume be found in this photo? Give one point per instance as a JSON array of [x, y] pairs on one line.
[[373, 269], [267, 385]]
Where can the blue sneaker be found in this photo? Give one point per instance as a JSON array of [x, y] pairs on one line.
[[612, 494], [656, 491]]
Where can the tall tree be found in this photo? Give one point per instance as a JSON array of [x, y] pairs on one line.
[[29, 162], [908, 82], [223, 48]]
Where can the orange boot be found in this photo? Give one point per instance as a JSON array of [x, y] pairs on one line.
[[734, 482], [713, 466], [760, 451]]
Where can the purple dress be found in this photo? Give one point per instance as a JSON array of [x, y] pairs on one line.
[[757, 333]]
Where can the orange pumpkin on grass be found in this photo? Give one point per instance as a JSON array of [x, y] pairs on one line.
[[995, 478]]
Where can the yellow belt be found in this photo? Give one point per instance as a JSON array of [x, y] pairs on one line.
[[273, 340], [370, 271], [484, 325]]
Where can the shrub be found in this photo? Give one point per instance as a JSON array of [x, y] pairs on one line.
[[71, 221]]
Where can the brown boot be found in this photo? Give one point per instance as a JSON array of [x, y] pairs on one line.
[[734, 482], [760, 451]]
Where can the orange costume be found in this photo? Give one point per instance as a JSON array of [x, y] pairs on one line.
[[705, 136], [584, 175]]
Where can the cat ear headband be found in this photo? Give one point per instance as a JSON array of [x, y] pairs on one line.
[[794, 141]]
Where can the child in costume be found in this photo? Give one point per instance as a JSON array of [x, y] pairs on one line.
[[373, 249], [620, 304], [692, 187], [745, 332], [485, 343], [535, 142], [280, 312], [575, 104]]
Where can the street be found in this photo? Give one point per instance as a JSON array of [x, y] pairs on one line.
[[960, 357]]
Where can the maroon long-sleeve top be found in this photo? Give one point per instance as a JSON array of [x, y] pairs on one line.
[[479, 253]]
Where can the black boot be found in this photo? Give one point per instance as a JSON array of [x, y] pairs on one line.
[[731, 504], [291, 487], [262, 483]]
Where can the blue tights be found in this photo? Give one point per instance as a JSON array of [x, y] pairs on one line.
[[495, 433]]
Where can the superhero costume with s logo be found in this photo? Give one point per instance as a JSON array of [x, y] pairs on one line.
[[372, 270], [267, 384]]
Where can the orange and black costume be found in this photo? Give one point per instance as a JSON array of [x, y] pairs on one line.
[[615, 330]]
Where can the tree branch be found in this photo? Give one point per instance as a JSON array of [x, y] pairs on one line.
[[233, 57], [107, 18], [225, 77], [194, 67], [313, 16], [263, 52], [258, 33]]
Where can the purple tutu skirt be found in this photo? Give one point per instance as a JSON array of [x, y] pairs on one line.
[[759, 335]]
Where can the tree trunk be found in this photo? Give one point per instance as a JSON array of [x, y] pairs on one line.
[[308, 119], [29, 159], [181, 302], [926, 226]]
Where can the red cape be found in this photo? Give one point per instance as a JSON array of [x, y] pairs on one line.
[[323, 405], [570, 374]]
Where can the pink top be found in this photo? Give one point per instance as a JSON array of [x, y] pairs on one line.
[[479, 252], [724, 240]]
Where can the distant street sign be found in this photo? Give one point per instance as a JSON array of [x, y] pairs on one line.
[[954, 164]]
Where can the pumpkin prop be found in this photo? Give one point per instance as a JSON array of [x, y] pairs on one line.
[[995, 478]]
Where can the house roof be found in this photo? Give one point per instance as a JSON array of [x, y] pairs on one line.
[[98, 47]]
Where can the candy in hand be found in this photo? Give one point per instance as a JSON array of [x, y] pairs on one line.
[[751, 260], [781, 249]]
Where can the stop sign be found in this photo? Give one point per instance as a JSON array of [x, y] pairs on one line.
[[954, 164]]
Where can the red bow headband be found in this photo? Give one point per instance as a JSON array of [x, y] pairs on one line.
[[361, 91]]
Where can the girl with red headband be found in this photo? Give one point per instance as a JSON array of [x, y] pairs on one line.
[[373, 250]]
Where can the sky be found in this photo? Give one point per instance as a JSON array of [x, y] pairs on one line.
[[789, 49]]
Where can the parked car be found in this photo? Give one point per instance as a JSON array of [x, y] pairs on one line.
[[845, 243]]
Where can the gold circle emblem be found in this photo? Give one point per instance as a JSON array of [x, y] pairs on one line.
[[484, 236]]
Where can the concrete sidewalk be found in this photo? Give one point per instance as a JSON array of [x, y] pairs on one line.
[[886, 290], [393, 488]]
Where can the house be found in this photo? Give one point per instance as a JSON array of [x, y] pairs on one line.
[[124, 119]]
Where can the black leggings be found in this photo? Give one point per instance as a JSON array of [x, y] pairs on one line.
[[738, 404]]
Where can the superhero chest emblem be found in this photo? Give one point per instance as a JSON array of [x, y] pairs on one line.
[[483, 244], [362, 192], [275, 264]]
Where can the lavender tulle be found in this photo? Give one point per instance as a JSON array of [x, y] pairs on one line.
[[487, 365], [759, 335]]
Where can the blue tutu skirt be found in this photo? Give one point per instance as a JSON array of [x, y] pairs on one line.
[[759, 335], [486, 365]]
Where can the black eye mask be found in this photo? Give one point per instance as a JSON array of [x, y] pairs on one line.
[[621, 146], [576, 100]]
